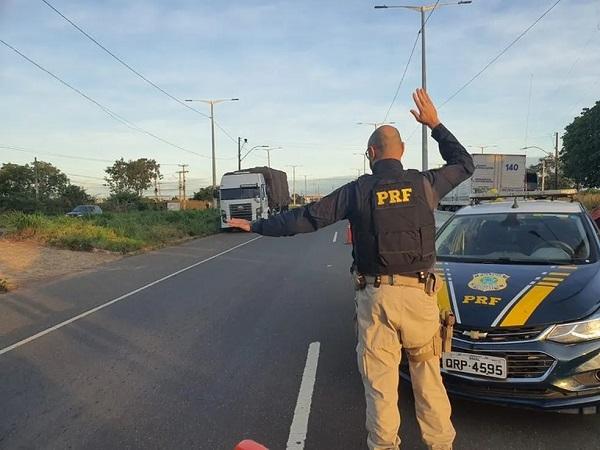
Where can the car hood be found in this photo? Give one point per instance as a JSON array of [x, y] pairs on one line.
[[491, 295]]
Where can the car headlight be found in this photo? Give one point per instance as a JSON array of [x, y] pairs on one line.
[[570, 333]]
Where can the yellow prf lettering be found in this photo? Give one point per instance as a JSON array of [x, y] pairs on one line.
[[493, 301], [395, 196], [406, 194], [481, 300], [382, 197]]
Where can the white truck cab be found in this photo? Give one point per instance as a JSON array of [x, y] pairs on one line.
[[243, 195]]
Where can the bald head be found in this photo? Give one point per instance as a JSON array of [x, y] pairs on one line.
[[385, 143]]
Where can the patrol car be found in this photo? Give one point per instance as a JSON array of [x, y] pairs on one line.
[[523, 280]]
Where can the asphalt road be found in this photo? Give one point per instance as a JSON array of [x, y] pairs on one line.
[[212, 355]]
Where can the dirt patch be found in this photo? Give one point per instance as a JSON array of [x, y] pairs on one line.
[[24, 262]]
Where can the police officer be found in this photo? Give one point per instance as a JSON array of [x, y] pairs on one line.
[[393, 230]]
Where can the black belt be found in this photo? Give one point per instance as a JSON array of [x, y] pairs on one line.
[[396, 279]]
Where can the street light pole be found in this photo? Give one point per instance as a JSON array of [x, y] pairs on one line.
[[294, 182], [549, 154], [422, 10], [375, 124], [424, 150], [364, 155], [212, 104], [482, 147]]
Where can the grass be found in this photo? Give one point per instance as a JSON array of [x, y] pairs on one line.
[[590, 200], [116, 232]]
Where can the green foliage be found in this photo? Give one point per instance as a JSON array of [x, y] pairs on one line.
[[580, 156], [206, 193], [54, 193], [132, 177], [117, 232]]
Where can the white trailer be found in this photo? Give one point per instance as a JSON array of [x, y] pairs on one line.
[[494, 174]]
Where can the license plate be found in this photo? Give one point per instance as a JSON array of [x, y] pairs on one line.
[[482, 365]]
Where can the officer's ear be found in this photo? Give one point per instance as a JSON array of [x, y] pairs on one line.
[[401, 149]]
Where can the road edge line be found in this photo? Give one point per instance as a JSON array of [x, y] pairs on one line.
[[299, 426], [115, 300]]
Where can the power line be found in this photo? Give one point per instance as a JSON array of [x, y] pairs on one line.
[[108, 111], [130, 68], [403, 76], [60, 155], [497, 57], [409, 60]]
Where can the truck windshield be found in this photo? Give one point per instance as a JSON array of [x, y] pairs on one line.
[[240, 193], [513, 238]]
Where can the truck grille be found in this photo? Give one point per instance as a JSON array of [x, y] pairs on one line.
[[241, 211], [508, 334]]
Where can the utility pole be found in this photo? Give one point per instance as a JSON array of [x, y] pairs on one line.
[[37, 181], [294, 183], [423, 9], [240, 151], [305, 190], [556, 161], [183, 197], [212, 104]]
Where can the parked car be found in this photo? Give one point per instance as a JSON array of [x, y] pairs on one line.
[[84, 211], [523, 280]]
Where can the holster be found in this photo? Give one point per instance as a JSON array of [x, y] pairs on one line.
[[359, 281], [447, 329]]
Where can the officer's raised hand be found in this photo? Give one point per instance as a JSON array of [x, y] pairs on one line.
[[427, 114], [242, 224]]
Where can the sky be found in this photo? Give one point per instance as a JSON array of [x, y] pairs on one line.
[[305, 73]]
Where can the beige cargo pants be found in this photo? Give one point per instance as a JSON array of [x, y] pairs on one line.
[[390, 318]]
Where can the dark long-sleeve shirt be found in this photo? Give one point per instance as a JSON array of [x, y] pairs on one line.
[[338, 205]]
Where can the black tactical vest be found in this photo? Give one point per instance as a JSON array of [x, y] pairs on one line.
[[393, 227]]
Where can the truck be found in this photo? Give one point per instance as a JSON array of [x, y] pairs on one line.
[[494, 173], [251, 194]]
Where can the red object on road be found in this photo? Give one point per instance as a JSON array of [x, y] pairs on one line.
[[248, 444], [349, 235]]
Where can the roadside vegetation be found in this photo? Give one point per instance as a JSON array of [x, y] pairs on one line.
[[115, 232], [590, 200]]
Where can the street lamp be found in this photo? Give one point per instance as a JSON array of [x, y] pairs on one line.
[[268, 150], [482, 147], [212, 104], [247, 153], [423, 9], [550, 155], [375, 124]]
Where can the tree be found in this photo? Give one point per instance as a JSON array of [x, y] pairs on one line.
[[206, 193], [75, 195], [35, 186], [51, 182], [133, 176], [580, 156]]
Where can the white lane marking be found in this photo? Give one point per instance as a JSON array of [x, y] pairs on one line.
[[115, 300], [335, 237], [299, 425]]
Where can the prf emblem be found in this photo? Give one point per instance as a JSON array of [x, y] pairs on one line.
[[393, 196], [489, 282]]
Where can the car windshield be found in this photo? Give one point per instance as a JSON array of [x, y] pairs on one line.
[[239, 193], [82, 208], [515, 238]]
